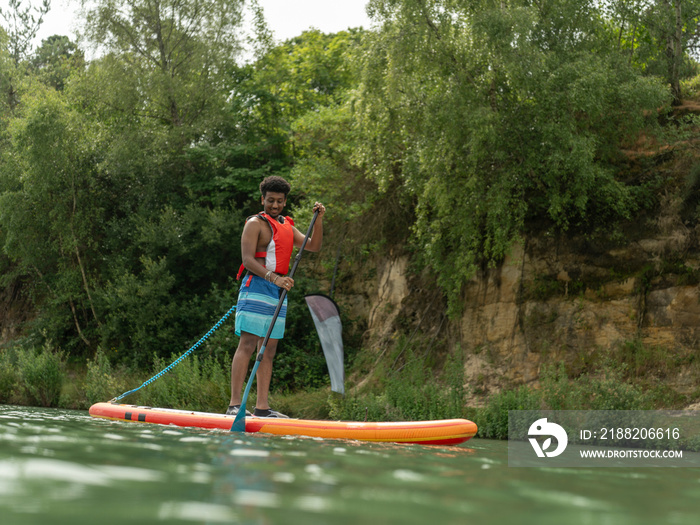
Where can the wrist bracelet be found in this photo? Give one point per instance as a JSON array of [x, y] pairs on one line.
[[276, 277], [267, 275]]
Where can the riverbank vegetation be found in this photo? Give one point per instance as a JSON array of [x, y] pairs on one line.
[[406, 387], [448, 131]]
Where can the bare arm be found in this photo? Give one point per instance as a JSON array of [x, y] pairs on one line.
[[249, 244]]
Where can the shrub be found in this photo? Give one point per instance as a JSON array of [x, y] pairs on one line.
[[556, 389], [194, 384], [492, 420], [101, 381], [606, 390], [8, 376], [41, 375], [416, 394], [411, 393], [610, 392], [361, 407]]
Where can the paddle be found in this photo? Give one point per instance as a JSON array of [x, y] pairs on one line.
[[239, 422]]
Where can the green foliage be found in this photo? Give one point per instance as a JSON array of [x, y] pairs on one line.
[[123, 193], [176, 55], [143, 316], [415, 392], [41, 374], [230, 171], [411, 393], [524, 125], [606, 390], [325, 141], [362, 220], [359, 407], [22, 23], [306, 404], [299, 365], [304, 74], [691, 196], [181, 287], [610, 393], [691, 87], [656, 36], [101, 381], [194, 384], [9, 378], [7, 73], [56, 60], [51, 208], [492, 420], [556, 388]]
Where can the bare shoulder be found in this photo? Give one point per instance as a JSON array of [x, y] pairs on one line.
[[252, 226], [256, 230]]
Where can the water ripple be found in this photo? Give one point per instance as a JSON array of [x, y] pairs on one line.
[[196, 511]]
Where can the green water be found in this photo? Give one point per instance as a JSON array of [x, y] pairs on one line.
[[60, 466]]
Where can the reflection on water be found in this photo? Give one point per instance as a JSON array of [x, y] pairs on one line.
[[59, 466]]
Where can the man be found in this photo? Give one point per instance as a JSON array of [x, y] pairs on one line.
[[266, 246]]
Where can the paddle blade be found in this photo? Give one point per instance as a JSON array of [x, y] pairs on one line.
[[239, 421], [326, 317]]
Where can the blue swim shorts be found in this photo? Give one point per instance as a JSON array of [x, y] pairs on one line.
[[257, 301]]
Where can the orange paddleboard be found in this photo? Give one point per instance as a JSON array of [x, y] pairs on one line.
[[440, 432]]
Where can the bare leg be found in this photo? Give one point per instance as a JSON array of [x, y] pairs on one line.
[[239, 365], [264, 374]]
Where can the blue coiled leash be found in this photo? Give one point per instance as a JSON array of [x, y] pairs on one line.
[[174, 363]]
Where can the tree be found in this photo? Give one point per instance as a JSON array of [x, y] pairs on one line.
[[303, 74], [23, 23], [176, 54], [50, 210], [22, 26], [162, 83], [6, 74], [255, 138], [494, 115], [56, 59], [675, 27], [659, 36]]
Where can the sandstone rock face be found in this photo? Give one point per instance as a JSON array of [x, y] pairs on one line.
[[558, 300], [391, 290]]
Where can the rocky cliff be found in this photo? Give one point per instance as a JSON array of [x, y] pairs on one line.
[[562, 299]]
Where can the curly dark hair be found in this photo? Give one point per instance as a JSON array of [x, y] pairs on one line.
[[275, 184]]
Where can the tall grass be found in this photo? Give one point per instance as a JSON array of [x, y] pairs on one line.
[[103, 381], [194, 384], [607, 390], [409, 393]]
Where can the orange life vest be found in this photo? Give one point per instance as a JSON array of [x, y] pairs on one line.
[[279, 249]]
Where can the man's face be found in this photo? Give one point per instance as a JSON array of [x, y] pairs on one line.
[[273, 203]]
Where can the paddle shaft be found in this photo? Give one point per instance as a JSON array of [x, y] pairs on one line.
[[239, 426]]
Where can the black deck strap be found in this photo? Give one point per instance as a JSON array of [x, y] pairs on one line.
[[129, 416]]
